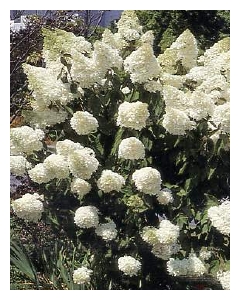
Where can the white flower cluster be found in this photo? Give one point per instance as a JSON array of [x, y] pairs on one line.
[[105, 57], [25, 140], [83, 122], [29, 207], [153, 86], [39, 174], [86, 217], [71, 157], [46, 88], [221, 116], [177, 122], [131, 148], [57, 166], [128, 26], [165, 196], [82, 163], [191, 266], [82, 275], [54, 166], [110, 181], [220, 217], [184, 50], [125, 90], [80, 187], [19, 165], [107, 231], [205, 254], [147, 180], [142, 65], [133, 115], [206, 86], [129, 265], [67, 146], [163, 239], [165, 251], [224, 278], [113, 39], [60, 41], [167, 233]]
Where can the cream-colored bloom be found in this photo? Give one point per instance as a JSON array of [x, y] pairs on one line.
[[165, 196], [86, 217], [224, 278], [110, 181], [82, 275], [25, 140], [131, 148], [184, 51], [83, 122], [147, 180], [67, 146], [129, 265], [128, 26], [191, 266], [29, 207], [19, 165], [221, 117], [142, 64], [125, 90], [220, 217], [133, 115], [56, 165], [82, 163], [40, 174], [80, 187], [177, 122], [168, 233], [107, 231]]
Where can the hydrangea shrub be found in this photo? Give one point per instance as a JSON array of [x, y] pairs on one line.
[[130, 153]]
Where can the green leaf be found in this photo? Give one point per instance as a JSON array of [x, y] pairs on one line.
[[211, 172], [22, 262], [210, 201], [117, 141]]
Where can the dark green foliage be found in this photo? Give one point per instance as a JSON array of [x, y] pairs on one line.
[[208, 26]]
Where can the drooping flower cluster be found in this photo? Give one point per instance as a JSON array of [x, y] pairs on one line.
[[131, 148], [224, 278], [82, 275], [107, 231], [19, 165], [83, 122], [133, 115], [86, 217], [110, 181], [25, 140], [129, 265], [147, 180], [191, 266], [29, 207], [220, 217]]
